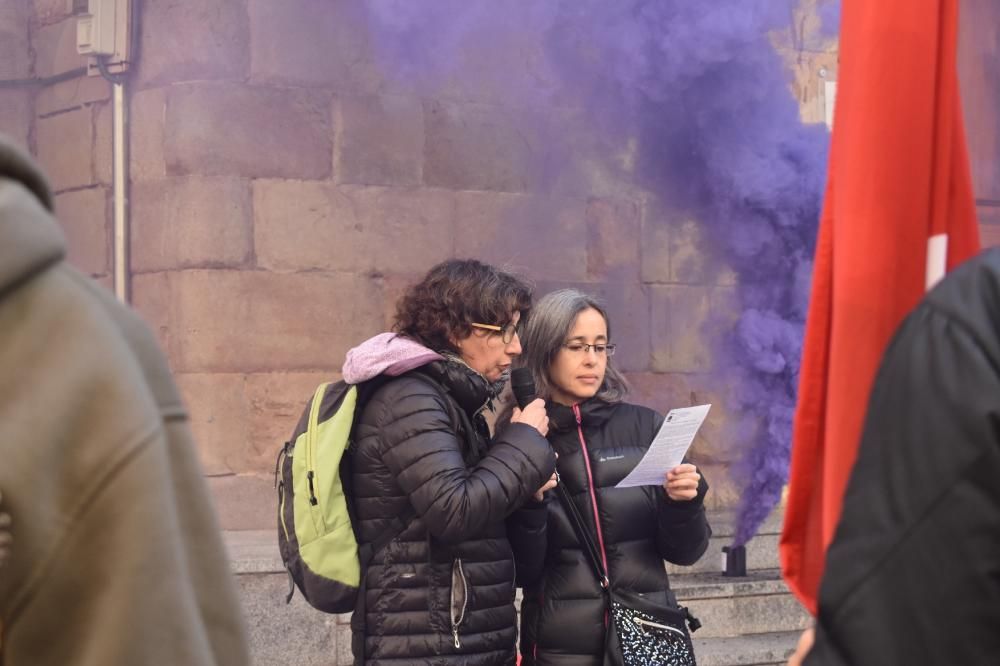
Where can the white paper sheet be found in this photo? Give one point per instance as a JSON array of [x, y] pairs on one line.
[[668, 448]]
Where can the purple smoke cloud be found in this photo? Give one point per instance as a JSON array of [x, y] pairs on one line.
[[705, 97]]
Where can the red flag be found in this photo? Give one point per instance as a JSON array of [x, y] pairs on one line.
[[898, 212]]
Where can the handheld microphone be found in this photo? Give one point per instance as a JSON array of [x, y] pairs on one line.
[[523, 386]]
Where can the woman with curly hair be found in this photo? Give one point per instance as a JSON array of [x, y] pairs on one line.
[[442, 592]]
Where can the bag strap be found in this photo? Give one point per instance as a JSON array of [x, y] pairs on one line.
[[583, 535], [366, 552], [593, 554], [463, 418], [314, 406]]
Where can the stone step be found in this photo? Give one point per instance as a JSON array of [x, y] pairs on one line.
[[758, 603], [728, 607], [257, 550], [296, 633], [754, 650], [261, 546]]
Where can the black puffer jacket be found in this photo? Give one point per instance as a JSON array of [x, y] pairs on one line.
[[562, 614], [443, 591], [913, 573]]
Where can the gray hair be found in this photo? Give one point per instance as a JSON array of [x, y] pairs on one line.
[[550, 322]]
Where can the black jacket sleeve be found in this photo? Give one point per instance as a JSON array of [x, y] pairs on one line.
[[527, 531], [683, 531], [424, 453]]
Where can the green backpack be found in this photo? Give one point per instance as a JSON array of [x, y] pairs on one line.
[[316, 515]]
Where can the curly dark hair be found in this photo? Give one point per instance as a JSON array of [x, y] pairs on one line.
[[456, 293]]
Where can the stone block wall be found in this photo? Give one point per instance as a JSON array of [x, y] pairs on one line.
[[15, 64], [284, 191], [979, 82], [66, 125]]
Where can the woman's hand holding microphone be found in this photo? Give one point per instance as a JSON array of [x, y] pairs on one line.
[[534, 414], [531, 410]]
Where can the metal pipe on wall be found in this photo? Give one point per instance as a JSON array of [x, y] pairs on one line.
[[113, 46], [120, 192]]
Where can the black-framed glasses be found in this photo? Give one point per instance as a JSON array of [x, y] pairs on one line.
[[507, 331], [600, 348]]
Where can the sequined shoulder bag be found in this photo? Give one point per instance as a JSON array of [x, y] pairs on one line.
[[641, 631]]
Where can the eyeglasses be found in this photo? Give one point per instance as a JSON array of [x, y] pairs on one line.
[[600, 348], [507, 331]]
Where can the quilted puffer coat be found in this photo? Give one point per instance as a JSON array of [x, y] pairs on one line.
[[442, 592], [563, 612]]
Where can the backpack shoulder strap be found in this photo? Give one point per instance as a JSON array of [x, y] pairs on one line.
[[400, 522], [460, 420]]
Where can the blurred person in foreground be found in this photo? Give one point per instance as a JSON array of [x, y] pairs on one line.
[[116, 556], [5, 536], [913, 573]]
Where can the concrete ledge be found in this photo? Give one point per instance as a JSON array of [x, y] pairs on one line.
[[256, 551], [747, 621], [711, 585], [253, 551], [762, 553]]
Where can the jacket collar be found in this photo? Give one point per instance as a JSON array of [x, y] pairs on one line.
[[470, 389], [593, 412]]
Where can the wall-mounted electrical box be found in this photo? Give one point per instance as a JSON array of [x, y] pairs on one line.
[[103, 31]]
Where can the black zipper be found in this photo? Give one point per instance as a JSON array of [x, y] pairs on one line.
[[312, 491], [458, 580]]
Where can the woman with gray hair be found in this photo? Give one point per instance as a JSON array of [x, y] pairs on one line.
[[599, 438]]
